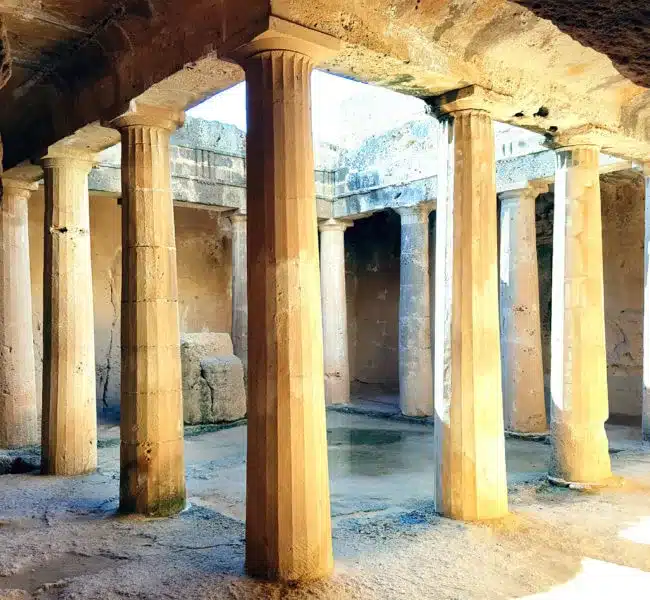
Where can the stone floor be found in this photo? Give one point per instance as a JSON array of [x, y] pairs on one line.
[[60, 538]]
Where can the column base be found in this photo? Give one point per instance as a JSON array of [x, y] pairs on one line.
[[610, 482], [266, 574], [536, 436]]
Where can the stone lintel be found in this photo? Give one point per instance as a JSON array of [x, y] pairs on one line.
[[274, 33], [147, 115], [472, 97], [334, 225]]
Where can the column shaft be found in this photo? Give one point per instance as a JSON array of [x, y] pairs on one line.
[[645, 412], [521, 341], [69, 429], [471, 470], [415, 366], [18, 409], [239, 289], [335, 318], [288, 530], [579, 406], [152, 477]]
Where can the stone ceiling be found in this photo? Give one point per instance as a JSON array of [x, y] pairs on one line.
[[77, 62]]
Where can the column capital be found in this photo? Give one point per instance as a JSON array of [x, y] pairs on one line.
[[588, 136], [472, 97], [18, 187], [416, 212], [273, 33], [71, 157], [334, 225], [516, 194], [146, 115], [238, 217]]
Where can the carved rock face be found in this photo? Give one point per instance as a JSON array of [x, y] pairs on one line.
[[5, 55], [617, 28]]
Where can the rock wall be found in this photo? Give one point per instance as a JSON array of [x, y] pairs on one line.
[[372, 284], [203, 245]]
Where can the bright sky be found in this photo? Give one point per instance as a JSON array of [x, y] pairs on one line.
[[343, 110]]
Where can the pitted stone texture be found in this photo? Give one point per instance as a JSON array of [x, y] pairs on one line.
[[524, 410], [18, 405], [288, 523], [415, 365], [579, 405], [645, 411], [334, 305], [196, 392], [69, 430], [470, 468], [152, 474], [224, 377]]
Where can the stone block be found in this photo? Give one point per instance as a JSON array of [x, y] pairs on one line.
[[226, 397], [197, 397]]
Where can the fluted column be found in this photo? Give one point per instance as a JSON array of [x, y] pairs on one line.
[[152, 477], [69, 429], [335, 318], [579, 406], [645, 413], [524, 409], [239, 289], [470, 464], [288, 528], [415, 366], [18, 408]]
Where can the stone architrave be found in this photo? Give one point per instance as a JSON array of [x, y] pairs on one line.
[[334, 304], [18, 407], [239, 289], [288, 524], [579, 405], [415, 365], [470, 481], [645, 412], [69, 428], [524, 409], [152, 473]]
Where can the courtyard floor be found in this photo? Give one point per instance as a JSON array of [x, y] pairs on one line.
[[60, 537]]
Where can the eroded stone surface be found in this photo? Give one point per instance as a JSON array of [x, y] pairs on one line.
[[224, 377]]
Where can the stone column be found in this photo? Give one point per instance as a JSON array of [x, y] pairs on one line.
[[470, 466], [645, 413], [69, 429], [335, 318], [415, 374], [524, 410], [18, 409], [579, 406], [152, 476], [239, 289], [288, 528]]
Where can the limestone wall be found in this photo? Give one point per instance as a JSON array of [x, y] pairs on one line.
[[204, 279], [372, 283]]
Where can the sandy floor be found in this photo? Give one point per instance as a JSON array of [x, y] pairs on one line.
[[60, 538]]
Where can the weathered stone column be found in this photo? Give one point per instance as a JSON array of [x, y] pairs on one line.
[[69, 430], [645, 413], [335, 318], [18, 408], [288, 529], [470, 466], [239, 289], [415, 366], [152, 476], [524, 410], [579, 406]]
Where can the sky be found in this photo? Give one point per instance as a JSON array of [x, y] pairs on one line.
[[342, 110]]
